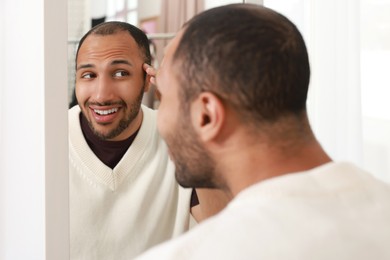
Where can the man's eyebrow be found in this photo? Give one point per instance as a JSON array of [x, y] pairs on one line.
[[85, 66], [114, 62]]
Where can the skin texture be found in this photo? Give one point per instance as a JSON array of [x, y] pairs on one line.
[[110, 79]]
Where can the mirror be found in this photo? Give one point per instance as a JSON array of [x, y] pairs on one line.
[[150, 16]]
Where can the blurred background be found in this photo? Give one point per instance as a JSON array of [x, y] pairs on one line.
[[349, 48]]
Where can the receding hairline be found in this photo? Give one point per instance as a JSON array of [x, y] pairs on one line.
[[108, 30], [115, 33], [114, 27], [89, 39]]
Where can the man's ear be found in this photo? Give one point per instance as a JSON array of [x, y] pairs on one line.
[[147, 83], [207, 115]]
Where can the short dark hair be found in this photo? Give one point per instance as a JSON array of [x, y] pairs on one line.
[[112, 27], [250, 56]]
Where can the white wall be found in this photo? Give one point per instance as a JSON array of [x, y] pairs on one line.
[[151, 8], [148, 8], [375, 64], [214, 3], [334, 105], [33, 136], [348, 97], [2, 175]]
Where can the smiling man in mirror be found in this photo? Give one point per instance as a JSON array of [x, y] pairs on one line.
[[123, 194]]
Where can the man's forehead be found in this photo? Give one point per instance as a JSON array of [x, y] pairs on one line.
[[120, 44], [121, 38]]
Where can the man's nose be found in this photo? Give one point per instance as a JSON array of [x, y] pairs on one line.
[[104, 89]]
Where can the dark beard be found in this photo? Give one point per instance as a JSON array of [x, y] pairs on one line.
[[124, 123], [194, 165]]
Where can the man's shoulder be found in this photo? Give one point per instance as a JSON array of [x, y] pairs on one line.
[[149, 118], [73, 112], [148, 112], [74, 118]]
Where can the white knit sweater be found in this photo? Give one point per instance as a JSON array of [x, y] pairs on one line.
[[119, 213], [335, 211]]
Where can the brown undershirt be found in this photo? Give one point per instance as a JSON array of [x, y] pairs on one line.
[[109, 152]]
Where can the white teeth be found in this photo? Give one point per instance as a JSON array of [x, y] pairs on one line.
[[105, 112]]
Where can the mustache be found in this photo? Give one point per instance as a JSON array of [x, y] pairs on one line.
[[107, 103]]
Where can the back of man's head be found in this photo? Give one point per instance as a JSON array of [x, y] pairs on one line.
[[253, 58]]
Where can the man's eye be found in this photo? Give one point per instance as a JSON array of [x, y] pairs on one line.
[[121, 73], [88, 75]]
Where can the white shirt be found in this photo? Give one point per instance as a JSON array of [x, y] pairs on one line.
[[119, 213], [335, 211]]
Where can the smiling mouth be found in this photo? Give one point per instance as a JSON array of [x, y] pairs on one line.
[[102, 112]]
